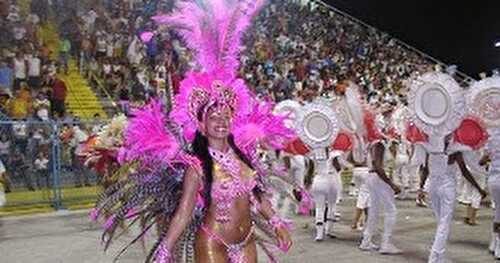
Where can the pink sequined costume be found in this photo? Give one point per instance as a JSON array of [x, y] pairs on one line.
[[205, 203]]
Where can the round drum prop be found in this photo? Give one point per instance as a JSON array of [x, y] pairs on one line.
[[433, 103], [317, 125], [436, 103], [484, 101]]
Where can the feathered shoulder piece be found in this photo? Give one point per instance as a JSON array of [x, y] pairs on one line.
[[148, 139]]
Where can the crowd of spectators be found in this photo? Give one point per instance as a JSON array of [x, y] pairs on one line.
[[294, 50], [31, 95], [297, 51], [29, 85]]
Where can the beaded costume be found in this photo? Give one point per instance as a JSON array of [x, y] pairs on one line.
[[158, 150]]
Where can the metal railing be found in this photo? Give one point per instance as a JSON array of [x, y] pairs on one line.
[[43, 169]]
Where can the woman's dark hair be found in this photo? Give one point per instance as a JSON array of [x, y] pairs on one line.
[[200, 150]]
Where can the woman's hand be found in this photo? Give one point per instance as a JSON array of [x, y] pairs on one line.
[[284, 239]]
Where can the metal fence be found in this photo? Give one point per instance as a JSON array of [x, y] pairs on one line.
[[43, 169]]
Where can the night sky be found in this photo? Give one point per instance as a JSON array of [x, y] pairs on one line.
[[461, 32]]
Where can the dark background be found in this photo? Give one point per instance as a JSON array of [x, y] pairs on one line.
[[461, 32]]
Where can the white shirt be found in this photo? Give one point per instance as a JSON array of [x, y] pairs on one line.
[[41, 164], [34, 67], [106, 68], [91, 17], [20, 68]]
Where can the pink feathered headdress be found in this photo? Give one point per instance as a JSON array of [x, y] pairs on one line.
[[199, 91], [214, 30]]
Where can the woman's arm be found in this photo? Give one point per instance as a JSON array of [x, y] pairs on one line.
[[184, 213], [279, 225]]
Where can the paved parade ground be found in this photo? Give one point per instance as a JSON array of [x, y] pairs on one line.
[[69, 237]]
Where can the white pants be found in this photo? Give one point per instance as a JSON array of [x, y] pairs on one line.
[[324, 190], [380, 194], [401, 173], [360, 176], [443, 204], [442, 189]]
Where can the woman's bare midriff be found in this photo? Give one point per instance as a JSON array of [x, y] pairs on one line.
[[235, 231]]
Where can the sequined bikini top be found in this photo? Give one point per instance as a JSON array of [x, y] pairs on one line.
[[232, 179]]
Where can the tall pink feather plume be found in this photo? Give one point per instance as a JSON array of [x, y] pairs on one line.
[[214, 29], [204, 81], [261, 126], [147, 138]]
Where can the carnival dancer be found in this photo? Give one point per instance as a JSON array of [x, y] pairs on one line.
[[196, 173], [382, 193], [401, 174], [369, 145], [438, 108], [324, 191], [444, 164], [483, 102]]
